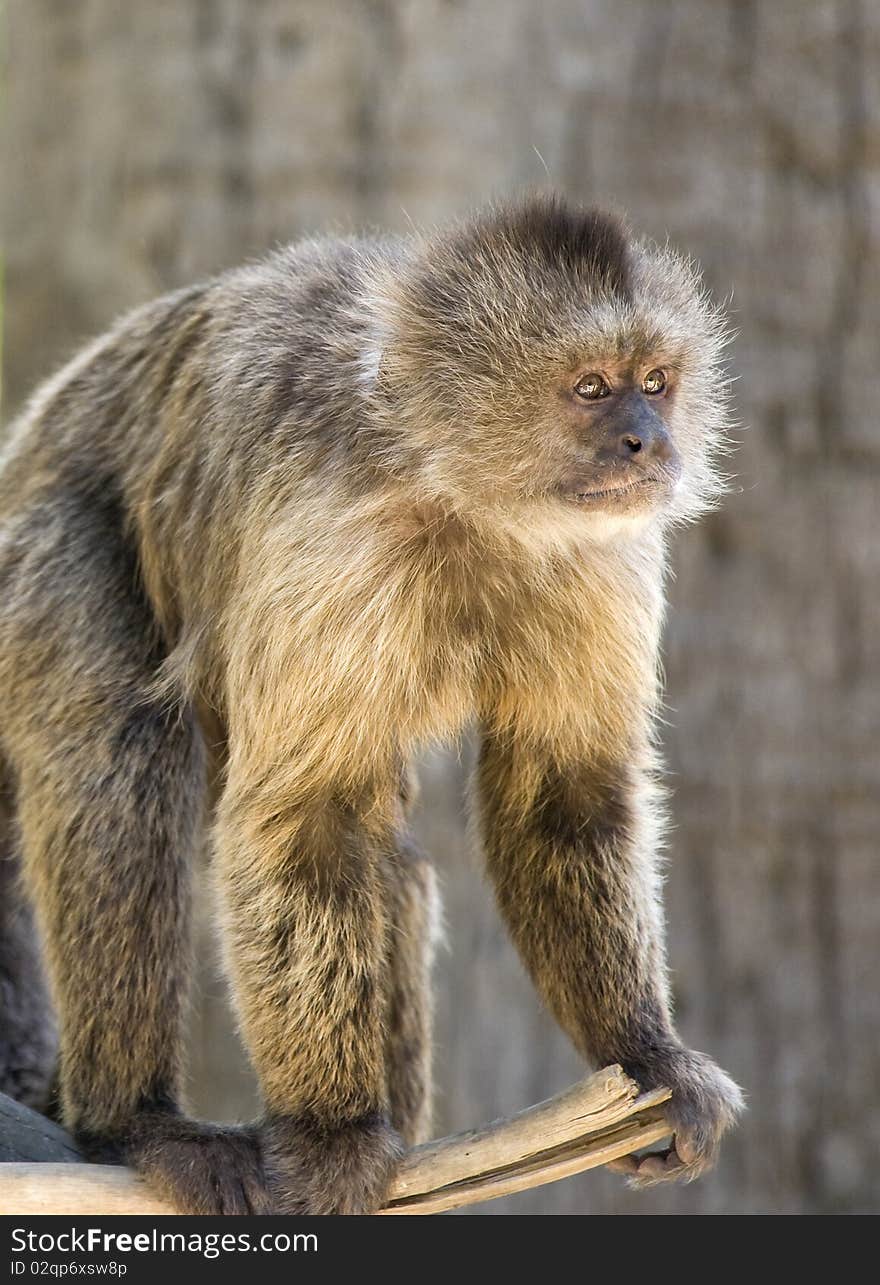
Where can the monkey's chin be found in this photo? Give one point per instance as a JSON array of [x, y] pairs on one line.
[[621, 512], [602, 525]]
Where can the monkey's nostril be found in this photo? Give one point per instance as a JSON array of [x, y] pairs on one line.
[[634, 444]]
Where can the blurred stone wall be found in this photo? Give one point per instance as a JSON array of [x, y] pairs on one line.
[[146, 145]]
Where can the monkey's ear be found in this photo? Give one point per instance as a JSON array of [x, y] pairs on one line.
[[375, 376], [380, 347], [378, 363], [370, 363]]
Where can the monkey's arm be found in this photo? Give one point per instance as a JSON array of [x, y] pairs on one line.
[[570, 850]]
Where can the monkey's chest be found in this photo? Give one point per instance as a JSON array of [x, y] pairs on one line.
[[483, 667]]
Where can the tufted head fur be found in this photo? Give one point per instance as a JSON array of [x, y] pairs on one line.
[[490, 320]]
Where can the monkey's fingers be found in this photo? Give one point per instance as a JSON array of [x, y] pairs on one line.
[[651, 1167], [201, 1168]]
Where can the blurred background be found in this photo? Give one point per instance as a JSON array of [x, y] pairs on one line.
[[149, 144]]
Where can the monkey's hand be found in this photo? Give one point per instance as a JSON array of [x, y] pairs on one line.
[[199, 1168], [705, 1103], [285, 1166], [314, 1169]]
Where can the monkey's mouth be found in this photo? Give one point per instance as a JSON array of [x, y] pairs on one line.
[[634, 492]]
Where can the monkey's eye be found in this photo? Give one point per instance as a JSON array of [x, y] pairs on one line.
[[654, 383], [591, 387]]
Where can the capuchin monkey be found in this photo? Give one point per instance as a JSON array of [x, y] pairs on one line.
[[258, 544]]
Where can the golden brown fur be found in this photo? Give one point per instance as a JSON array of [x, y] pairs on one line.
[[308, 517]]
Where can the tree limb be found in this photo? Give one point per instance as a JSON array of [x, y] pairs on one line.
[[595, 1121]]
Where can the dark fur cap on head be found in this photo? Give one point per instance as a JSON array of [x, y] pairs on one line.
[[550, 237], [537, 258], [487, 318]]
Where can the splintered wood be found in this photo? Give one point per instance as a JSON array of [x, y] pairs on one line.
[[597, 1120]]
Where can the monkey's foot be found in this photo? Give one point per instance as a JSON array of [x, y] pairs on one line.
[[705, 1103], [199, 1168], [315, 1169]]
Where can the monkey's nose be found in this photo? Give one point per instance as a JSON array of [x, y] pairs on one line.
[[650, 441]]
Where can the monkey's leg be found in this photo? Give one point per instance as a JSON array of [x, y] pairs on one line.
[[109, 831], [28, 1041], [571, 854], [309, 931], [109, 787], [414, 911]]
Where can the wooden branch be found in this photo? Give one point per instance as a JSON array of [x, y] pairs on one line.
[[597, 1120], [593, 1122]]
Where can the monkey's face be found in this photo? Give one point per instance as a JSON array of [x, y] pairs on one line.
[[620, 456], [549, 368]]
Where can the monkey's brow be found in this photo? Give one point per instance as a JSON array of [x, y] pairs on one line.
[[656, 350], [628, 356]]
